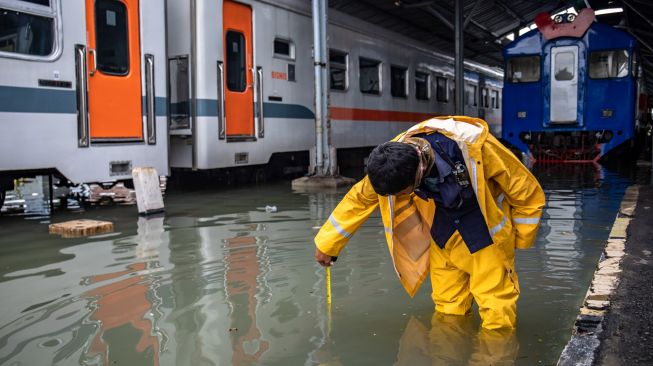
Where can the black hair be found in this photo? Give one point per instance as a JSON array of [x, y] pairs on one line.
[[391, 167]]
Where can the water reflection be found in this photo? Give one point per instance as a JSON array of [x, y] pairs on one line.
[[112, 320], [122, 309], [219, 280], [242, 275], [455, 340], [127, 310]]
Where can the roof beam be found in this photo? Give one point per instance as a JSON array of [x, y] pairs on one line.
[[644, 2], [526, 22], [634, 10], [413, 28], [635, 30], [641, 41], [415, 5], [510, 12], [648, 73], [471, 14], [434, 9], [429, 9]]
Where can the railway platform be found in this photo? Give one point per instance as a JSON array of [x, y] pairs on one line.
[[615, 322], [628, 326]]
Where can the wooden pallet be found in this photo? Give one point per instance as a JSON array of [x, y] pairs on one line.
[[78, 228]]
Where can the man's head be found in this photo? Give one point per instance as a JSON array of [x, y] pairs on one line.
[[391, 167]]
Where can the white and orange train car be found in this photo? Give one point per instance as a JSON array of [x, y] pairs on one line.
[[82, 89], [241, 83], [89, 89]]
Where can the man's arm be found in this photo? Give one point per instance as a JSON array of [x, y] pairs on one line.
[[522, 190], [357, 205]]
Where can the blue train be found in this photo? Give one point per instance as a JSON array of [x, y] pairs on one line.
[[571, 89]]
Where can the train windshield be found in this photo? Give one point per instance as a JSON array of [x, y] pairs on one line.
[[564, 66], [608, 64], [523, 69]]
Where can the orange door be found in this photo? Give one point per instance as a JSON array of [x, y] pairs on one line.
[[239, 90], [114, 80]]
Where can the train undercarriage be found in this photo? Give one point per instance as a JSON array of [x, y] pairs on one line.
[[566, 146]]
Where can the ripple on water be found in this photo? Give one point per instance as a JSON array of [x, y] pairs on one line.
[[218, 280]]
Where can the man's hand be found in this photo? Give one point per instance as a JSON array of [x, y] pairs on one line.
[[323, 259]]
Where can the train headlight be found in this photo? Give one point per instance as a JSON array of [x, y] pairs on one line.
[[606, 113], [571, 17], [521, 114], [558, 18]]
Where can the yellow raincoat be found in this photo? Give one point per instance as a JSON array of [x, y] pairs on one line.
[[510, 199]]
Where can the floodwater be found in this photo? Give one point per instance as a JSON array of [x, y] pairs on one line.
[[220, 280]]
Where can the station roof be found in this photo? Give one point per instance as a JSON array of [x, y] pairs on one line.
[[488, 22]]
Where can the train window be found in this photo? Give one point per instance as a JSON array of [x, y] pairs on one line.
[[564, 66], [291, 72], [38, 2], [470, 95], [495, 99], [112, 43], [26, 34], [179, 93], [523, 69], [235, 60], [608, 64], [369, 75], [284, 48], [422, 90], [398, 78], [441, 94], [338, 79], [485, 98]]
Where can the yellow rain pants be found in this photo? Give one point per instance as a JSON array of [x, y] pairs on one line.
[[488, 276]]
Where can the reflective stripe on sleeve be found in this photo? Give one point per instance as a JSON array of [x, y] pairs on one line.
[[526, 220], [338, 228], [500, 200], [498, 227]]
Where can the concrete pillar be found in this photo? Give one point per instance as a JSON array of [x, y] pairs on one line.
[[323, 163], [460, 71]]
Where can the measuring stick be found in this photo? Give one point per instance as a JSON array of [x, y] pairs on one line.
[[328, 284]]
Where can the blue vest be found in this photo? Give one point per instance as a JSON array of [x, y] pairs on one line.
[[456, 206]]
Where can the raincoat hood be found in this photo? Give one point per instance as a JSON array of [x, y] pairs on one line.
[[472, 131]]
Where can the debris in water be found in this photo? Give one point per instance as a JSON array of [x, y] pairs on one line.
[[233, 329], [83, 227]]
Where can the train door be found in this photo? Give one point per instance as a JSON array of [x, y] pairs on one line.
[[564, 84], [114, 70], [239, 90]]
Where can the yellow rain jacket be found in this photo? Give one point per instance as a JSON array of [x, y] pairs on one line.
[[509, 196]]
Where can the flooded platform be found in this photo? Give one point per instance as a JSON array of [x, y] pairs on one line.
[[220, 279]]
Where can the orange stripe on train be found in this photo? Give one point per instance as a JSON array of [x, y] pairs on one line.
[[357, 114]]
